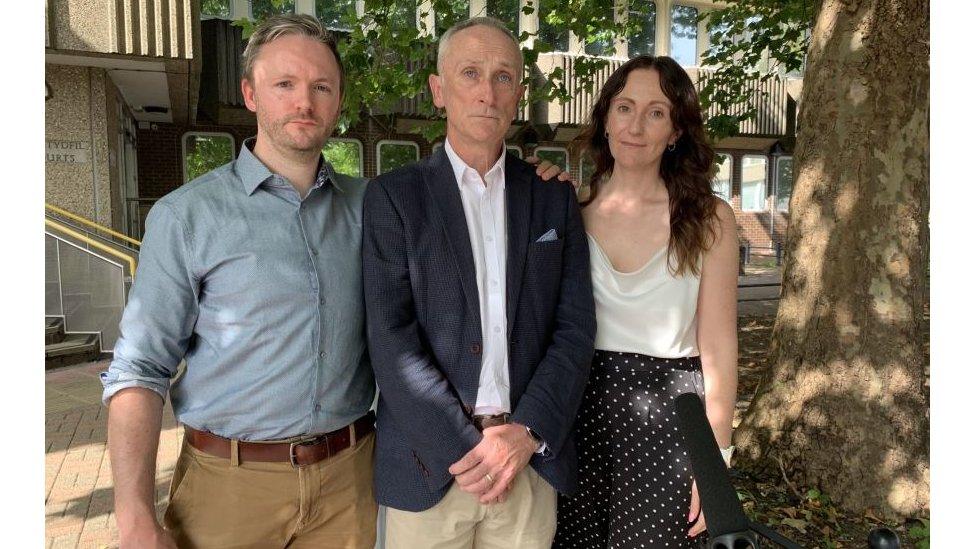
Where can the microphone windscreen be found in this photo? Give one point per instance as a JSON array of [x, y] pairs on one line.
[[723, 511]]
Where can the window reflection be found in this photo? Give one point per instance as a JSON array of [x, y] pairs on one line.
[[753, 183], [553, 33], [506, 11], [684, 35], [722, 182], [330, 12], [395, 154], [784, 183], [261, 9], [642, 18]]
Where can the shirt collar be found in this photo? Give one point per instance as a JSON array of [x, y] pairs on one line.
[[252, 172], [459, 166]]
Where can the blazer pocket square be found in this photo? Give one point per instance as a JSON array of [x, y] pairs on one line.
[[548, 237]]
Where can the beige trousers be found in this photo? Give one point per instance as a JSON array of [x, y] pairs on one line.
[[328, 505], [526, 520]]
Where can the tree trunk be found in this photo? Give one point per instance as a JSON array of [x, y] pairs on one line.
[[844, 403]]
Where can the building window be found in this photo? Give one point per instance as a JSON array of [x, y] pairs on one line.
[[331, 12], [557, 155], [205, 151], [261, 9], [458, 11], [642, 18], [345, 155], [722, 182], [684, 35], [599, 46], [553, 33], [393, 154], [215, 8], [601, 43], [753, 183], [784, 182], [506, 11]]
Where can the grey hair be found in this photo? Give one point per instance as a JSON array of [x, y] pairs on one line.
[[277, 26], [474, 22]]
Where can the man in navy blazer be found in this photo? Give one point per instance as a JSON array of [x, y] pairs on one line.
[[480, 319]]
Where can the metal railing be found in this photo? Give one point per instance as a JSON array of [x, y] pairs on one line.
[[87, 280], [90, 225]]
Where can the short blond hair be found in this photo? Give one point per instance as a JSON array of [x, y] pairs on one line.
[[287, 24]]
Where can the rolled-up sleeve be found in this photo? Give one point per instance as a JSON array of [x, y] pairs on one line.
[[162, 309]]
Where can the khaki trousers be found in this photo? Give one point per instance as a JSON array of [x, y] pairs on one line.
[[526, 520], [215, 503]]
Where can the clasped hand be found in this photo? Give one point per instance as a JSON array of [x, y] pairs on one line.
[[487, 471]]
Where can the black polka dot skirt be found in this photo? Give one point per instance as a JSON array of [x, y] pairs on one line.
[[634, 475]]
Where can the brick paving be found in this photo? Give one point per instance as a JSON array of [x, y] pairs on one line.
[[77, 476]]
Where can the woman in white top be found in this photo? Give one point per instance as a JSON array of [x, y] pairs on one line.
[[663, 255]]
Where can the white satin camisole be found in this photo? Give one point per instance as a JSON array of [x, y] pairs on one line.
[[647, 311]]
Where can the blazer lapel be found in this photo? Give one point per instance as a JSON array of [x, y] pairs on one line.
[[443, 187], [518, 203]]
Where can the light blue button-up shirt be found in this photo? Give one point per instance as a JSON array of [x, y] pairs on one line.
[[261, 292]]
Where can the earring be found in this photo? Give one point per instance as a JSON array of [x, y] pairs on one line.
[[671, 147]]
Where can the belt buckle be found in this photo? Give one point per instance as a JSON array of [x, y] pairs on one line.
[[292, 456]]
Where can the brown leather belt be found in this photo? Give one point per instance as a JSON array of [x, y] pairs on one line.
[[301, 452], [483, 422]]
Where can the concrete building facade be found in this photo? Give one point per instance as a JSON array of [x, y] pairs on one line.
[[136, 88]]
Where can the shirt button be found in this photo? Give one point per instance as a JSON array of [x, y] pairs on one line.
[[315, 252], [322, 354], [476, 348], [318, 407], [321, 301]]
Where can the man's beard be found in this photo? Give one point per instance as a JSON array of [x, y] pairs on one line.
[[282, 138]]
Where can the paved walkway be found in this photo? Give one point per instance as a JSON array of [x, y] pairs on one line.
[[78, 478]]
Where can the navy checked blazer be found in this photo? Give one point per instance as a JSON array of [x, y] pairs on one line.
[[424, 324]]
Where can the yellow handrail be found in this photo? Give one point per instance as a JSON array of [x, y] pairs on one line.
[[94, 243], [91, 224]]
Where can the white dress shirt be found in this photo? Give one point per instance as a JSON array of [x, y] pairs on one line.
[[484, 211]]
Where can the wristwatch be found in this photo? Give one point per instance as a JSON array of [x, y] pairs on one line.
[[538, 440]]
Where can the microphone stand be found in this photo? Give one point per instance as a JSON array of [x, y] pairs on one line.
[[772, 535], [729, 527]]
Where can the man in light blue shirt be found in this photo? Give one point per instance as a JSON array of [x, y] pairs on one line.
[[252, 274]]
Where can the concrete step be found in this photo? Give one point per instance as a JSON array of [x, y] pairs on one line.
[[53, 330], [74, 349]]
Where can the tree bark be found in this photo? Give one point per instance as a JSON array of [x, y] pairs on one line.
[[844, 403]]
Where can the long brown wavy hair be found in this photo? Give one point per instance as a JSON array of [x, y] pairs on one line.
[[686, 170]]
